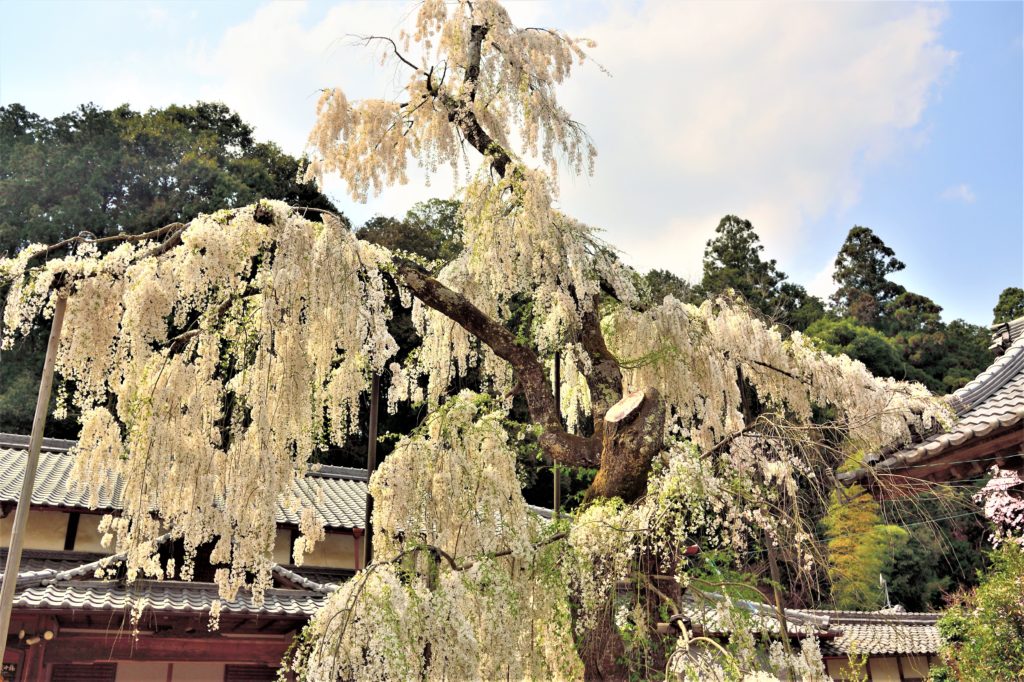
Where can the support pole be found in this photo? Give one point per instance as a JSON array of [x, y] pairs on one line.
[[780, 611], [25, 500], [371, 466], [557, 501]]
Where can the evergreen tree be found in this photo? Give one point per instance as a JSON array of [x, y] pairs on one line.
[[1010, 305], [662, 283], [862, 271], [431, 229], [732, 261], [861, 549]]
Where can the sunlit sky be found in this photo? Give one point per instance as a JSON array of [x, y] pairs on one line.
[[805, 118]]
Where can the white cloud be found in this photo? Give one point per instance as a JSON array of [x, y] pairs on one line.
[[961, 192], [822, 284], [776, 112]]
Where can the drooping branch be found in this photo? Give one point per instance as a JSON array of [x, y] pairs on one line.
[[460, 111], [563, 447], [171, 232], [366, 40]]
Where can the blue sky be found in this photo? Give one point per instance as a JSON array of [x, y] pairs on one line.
[[805, 118]]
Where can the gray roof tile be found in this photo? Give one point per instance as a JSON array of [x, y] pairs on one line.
[[994, 401], [842, 632], [880, 633], [47, 580], [162, 595], [338, 493]]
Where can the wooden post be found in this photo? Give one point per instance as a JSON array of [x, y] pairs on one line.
[[780, 611], [371, 466], [25, 500], [557, 502]]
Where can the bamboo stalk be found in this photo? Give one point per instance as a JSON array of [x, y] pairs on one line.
[[25, 500]]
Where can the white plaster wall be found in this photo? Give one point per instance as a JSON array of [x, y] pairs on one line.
[[133, 671], [884, 669], [337, 550], [283, 546], [198, 672], [87, 539], [44, 530], [915, 666]]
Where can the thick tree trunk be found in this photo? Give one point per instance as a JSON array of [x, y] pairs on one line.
[[632, 433], [602, 651]]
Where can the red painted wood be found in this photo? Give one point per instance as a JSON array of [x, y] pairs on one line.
[[73, 672], [84, 649], [249, 673]]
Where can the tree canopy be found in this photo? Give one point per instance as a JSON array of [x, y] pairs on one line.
[[108, 172], [211, 360], [120, 170], [732, 262], [1010, 305], [862, 271]]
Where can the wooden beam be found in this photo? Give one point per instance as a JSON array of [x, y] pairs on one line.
[[88, 649], [69, 537], [914, 478], [371, 467], [35, 444]]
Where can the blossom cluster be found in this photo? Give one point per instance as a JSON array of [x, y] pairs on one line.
[[1002, 498], [208, 374], [699, 356], [463, 586]]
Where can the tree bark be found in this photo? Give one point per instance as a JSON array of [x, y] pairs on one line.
[[622, 448], [629, 442]]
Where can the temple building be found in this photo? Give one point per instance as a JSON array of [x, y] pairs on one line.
[[68, 625], [989, 430]]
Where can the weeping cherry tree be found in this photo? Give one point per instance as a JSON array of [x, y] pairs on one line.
[[211, 360]]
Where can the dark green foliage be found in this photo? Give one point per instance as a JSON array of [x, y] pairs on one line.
[[662, 283], [967, 353], [431, 229], [984, 628], [862, 271], [121, 171], [911, 313], [732, 261], [845, 336], [939, 556], [1010, 305], [943, 359]]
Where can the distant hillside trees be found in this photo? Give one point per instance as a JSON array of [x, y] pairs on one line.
[[119, 170]]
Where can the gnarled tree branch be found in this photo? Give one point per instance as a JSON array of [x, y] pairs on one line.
[[605, 381], [562, 446]]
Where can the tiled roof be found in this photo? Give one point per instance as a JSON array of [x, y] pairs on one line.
[[50, 580], [1006, 333], [879, 633], [338, 493], [55, 583], [702, 611], [990, 404], [164, 596], [841, 632]]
